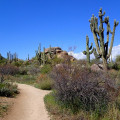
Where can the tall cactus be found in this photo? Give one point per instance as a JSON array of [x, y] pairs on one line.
[[98, 34], [51, 53], [0, 56], [88, 52], [12, 57], [44, 57], [39, 54], [28, 57]]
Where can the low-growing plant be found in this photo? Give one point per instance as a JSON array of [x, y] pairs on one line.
[[82, 89], [8, 69], [46, 69], [17, 63], [117, 58], [44, 82], [8, 89], [32, 70], [3, 109]]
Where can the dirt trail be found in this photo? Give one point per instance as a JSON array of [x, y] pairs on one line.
[[29, 105]]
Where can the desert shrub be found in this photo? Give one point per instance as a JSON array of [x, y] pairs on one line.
[[23, 71], [55, 60], [29, 69], [17, 63], [33, 70], [26, 63], [80, 63], [8, 69], [8, 89], [114, 65], [96, 61], [117, 58], [3, 62], [46, 69], [80, 88], [44, 82]]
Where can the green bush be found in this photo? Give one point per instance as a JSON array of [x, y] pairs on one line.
[[115, 66], [44, 82], [117, 58], [55, 60], [44, 85], [3, 62], [17, 63], [46, 69], [8, 89]]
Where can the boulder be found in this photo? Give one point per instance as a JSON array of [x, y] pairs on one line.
[[59, 53], [97, 67], [53, 49]]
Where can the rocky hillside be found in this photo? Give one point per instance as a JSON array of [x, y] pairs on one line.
[[59, 53]]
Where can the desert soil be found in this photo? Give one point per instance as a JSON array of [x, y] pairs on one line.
[[28, 105]]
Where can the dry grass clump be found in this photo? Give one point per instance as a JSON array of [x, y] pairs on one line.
[[44, 82]]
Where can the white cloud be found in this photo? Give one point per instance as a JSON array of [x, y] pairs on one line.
[[80, 55], [115, 51]]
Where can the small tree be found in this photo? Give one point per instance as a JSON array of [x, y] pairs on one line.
[[98, 33]]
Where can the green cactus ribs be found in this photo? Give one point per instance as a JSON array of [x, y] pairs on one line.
[[88, 52], [98, 34], [12, 57], [41, 56]]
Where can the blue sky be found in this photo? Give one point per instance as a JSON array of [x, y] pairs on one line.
[[64, 23]]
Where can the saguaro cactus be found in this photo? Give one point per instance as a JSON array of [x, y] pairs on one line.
[[44, 57], [39, 54], [0, 56], [28, 57], [88, 52], [98, 34]]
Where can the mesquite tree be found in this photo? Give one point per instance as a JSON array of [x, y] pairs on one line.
[[98, 33]]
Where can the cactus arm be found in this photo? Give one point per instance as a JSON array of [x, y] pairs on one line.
[[91, 51], [50, 53], [96, 55], [39, 48], [84, 52], [101, 32], [102, 47], [109, 28], [96, 43], [91, 46], [94, 29], [112, 39]]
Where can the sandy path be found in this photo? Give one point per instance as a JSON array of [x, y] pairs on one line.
[[29, 105]]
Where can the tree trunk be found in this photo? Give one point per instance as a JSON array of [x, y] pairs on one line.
[[104, 64]]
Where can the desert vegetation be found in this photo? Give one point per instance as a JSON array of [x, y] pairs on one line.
[[80, 89]]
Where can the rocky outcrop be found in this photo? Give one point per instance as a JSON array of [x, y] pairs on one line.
[[97, 67], [59, 53]]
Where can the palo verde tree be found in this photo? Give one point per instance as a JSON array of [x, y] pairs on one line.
[[98, 34]]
